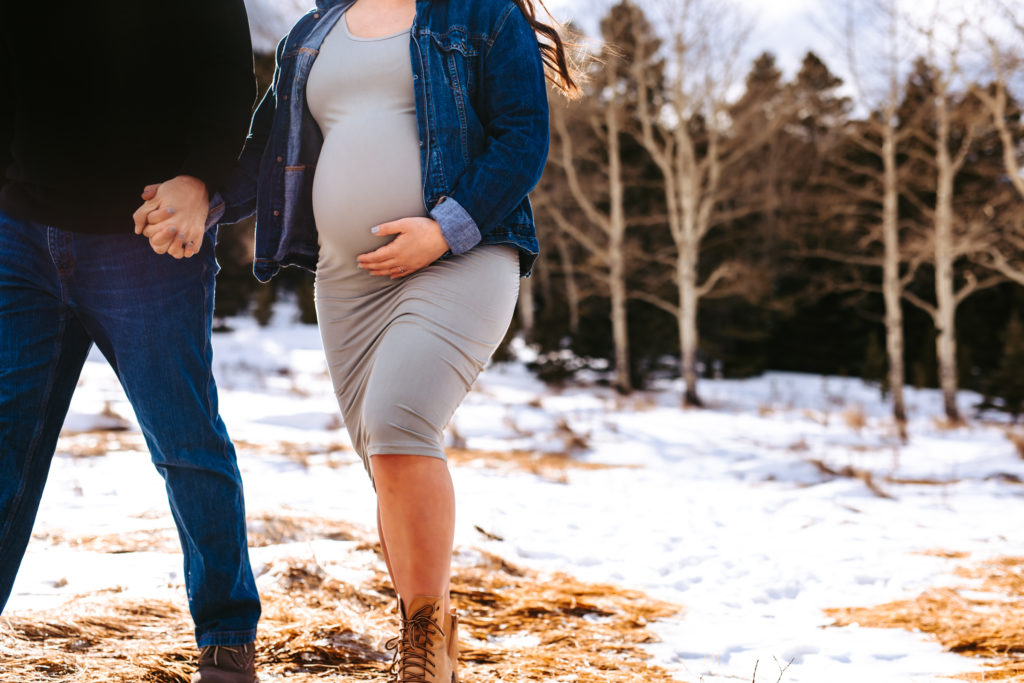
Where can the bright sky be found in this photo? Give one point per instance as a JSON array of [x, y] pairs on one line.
[[788, 28], [791, 28]]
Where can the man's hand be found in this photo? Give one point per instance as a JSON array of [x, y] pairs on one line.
[[173, 216], [419, 243]]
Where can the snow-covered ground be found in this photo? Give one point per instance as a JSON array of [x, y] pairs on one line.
[[722, 511]]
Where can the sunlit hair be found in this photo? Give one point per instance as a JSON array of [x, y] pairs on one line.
[[558, 65]]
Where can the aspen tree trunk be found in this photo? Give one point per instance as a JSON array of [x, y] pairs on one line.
[[616, 257], [617, 285], [892, 287], [889, 29], [1007, 259], [686, 279], [688, 231], [692, 159], [572, 292], [690, 186], [945, 292], [608, 244]]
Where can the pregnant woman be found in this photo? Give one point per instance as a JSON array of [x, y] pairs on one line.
[[393, 154]]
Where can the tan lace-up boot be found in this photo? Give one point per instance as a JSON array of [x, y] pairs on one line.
[[452, 644], [427, 649]]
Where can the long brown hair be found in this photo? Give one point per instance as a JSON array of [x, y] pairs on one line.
[[557, 64]]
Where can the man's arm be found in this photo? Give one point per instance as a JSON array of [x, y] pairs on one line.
[[6, 113], [224, 93], [176, 213]]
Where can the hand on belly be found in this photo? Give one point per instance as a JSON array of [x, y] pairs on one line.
[[361, 181], [417, 244]]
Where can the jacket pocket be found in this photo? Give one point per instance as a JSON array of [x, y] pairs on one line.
[[460, 59]]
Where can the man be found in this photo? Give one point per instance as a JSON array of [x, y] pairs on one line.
[[97, 101]]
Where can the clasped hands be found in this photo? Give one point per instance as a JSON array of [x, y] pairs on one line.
[[173, 218]]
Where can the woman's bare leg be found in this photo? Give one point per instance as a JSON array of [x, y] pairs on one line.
[[416, 519], [384, 548]]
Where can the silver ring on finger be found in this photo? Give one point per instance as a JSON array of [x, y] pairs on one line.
[[401, 269]]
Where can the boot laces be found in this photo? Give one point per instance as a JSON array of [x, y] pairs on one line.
[[413, 648]]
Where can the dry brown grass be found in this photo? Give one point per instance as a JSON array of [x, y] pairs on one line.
[[983, 618], [851, 472], [800, 446], [944, 424], [99, 442], [550, 466], [157, 540], [942, 552], [516, 625], [816, 416], [1017, 440], [637, 402], [263, 529], [333, 455], [855, 418]]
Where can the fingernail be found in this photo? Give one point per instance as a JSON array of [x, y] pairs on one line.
[[375, 229], [170, 209], [172, 230]]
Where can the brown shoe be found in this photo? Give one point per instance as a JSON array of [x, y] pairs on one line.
[[425, 652], [227, 664]]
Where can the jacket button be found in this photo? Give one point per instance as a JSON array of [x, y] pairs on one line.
[[277, 213], [280, 159], [285, 98], [316, 16]]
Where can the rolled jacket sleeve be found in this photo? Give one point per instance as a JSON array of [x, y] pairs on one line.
[[514, 112], [457, 227]]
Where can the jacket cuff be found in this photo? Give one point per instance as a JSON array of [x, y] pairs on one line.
[[457, 227], [217, 207]]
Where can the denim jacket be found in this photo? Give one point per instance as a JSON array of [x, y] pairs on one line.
[[482, 113]]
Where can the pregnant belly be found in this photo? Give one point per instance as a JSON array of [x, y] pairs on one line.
[[368, 174]]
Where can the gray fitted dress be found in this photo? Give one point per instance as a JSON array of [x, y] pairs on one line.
[[402, 353]]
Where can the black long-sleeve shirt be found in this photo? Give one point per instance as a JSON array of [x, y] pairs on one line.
[[100, 98]]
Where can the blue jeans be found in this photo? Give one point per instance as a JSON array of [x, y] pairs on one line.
[[151, 316]]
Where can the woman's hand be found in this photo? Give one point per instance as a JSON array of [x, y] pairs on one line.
[[419, 243], [173, 216]]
